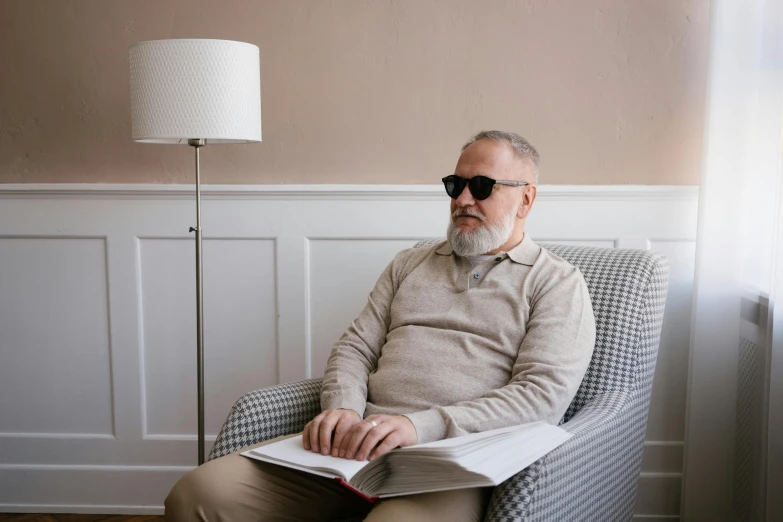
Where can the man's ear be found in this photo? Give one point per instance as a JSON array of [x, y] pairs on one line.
[[526, 204]]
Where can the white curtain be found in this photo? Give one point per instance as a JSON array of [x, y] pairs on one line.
[[734, 425]]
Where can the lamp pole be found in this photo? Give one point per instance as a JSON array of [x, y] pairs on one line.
[[197, 144]]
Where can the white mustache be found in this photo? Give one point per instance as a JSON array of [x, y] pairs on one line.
[[467, 212]]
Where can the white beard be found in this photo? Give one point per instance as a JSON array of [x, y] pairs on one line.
[[482, 240]]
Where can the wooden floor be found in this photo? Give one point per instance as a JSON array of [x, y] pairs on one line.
[[36, 517]]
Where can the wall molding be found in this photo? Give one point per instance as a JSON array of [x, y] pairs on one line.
[[387, 192]]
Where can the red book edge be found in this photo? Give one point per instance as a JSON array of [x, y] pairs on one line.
[[371, 500]]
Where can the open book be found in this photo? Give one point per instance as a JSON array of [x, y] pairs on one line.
[[476, 460]]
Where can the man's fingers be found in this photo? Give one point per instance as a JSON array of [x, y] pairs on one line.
[[391, 441], [345, 441], [314, 428], [342, 429], [325, 431], [317, 434], [358, 432], [373, 437]]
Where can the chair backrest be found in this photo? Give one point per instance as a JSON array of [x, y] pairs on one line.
[[628, 291]]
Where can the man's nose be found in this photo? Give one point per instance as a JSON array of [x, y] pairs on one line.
[[465, 199]]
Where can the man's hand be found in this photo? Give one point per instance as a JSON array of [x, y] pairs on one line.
[[365, 441], [317, 434]]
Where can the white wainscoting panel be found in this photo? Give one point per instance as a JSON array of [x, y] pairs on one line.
[[55, 377], [240, 329], [97, 317], [659, 494]]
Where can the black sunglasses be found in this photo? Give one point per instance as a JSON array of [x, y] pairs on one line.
[[480, 186]]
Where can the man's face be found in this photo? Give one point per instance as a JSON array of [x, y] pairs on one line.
[[497, 161]]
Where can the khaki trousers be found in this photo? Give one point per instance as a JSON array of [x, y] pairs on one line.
[[238, 489]]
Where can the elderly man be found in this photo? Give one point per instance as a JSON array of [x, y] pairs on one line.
[[482, 331]]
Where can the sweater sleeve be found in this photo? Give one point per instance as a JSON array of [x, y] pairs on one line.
[[355, 355], [548, 370]]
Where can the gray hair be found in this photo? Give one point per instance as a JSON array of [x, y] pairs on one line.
[[522, 148]]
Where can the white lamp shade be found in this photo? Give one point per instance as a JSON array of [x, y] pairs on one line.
[[195, 89]]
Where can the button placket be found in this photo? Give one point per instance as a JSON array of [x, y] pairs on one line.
[[474, 277]]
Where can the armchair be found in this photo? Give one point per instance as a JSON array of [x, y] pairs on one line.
[[591, 477]]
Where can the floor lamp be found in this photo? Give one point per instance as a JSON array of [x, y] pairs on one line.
[[195, 92]]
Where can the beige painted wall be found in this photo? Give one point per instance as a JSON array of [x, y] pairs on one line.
[[610, 91]]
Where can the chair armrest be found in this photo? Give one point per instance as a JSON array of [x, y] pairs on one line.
[[268, 413], [592, 476]]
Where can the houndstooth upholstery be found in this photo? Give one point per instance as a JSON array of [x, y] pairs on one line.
[[593, 475], [265, 414]]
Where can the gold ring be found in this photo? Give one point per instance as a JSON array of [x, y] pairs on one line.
[[374, 424]]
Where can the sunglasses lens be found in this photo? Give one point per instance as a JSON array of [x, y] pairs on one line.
[[481, 187], [454, 186]]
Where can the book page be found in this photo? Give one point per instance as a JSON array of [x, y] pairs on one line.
[[291, 454], [480, 437]]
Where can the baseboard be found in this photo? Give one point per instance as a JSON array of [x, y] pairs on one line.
[[81, 509]]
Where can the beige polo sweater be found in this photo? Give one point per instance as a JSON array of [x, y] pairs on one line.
[[461, 349]]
